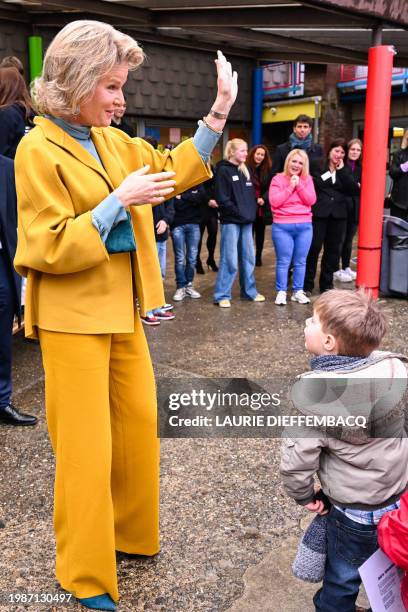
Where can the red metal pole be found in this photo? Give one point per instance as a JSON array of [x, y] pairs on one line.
[[377, 116]]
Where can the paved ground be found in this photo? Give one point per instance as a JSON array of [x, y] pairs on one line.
[[228, 532]]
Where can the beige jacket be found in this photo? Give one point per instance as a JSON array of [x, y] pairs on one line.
[[356, 467]]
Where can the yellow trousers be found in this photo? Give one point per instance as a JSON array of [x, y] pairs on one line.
[[101, 413]]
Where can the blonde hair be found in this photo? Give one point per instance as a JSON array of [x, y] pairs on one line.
[[353, 318], [355, 141], [79, 56], [404, 142], [230, 148], [305, 159]]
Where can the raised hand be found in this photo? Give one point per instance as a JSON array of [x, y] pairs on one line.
[[227, 89], [227, 82]]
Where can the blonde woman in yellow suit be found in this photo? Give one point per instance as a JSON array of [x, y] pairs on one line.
[[76, 184]]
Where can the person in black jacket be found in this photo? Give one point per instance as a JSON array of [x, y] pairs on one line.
[[334, 184], [301, 138], [10, 288], [209, 221], [354, 151], [399, 175], [16, 111], [236, 199], [185, 234]]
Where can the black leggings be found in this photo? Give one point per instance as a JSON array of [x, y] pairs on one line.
[[259, 231], [211, 223], [327, 233]]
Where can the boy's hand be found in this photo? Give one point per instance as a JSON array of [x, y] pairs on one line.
[[317, 506]]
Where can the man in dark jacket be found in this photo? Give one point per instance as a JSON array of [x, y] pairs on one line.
[[119, 122], [10, 289], [301, 138]]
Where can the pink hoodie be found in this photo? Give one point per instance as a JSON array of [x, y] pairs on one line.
[[291, 205]]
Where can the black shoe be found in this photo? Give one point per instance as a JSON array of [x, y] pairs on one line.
[[199, 267], [212, 265], [11, 416]]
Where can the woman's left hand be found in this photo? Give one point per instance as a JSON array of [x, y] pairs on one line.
[[227, 84]]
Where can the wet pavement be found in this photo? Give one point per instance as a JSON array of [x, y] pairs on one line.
[[228, 532]]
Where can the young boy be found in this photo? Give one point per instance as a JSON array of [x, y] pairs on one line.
[[362, 475]]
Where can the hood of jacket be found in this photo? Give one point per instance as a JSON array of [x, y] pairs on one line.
[[366, 400], [224, 162]]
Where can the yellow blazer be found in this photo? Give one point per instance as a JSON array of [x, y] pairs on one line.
[[73, 284]]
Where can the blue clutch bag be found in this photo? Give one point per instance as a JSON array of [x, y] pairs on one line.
[[121, 238]]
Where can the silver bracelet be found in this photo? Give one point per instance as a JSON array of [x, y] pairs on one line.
[[219, 132], [217, 115]]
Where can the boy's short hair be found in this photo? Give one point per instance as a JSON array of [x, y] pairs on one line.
[[303, 119], [354, 318]]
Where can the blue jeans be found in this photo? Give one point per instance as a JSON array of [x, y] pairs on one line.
[[236, 253], [185, 243], [349, 544], [291, 241], [162, 252]]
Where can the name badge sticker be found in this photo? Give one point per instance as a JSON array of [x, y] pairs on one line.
[[248, 184], [235, 177]]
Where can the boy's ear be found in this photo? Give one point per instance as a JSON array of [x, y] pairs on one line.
[[330, 343]]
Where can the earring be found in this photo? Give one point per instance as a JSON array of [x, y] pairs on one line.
[[76, 111]]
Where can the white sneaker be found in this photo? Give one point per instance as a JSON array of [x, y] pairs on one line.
[[342, 276], [191, 292], [351, 273], [281, 298], [301, 297], [180, 294]]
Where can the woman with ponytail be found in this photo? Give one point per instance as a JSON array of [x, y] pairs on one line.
[[236, 199], [259, 165]]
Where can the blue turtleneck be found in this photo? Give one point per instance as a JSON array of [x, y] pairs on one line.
[[111, 210]]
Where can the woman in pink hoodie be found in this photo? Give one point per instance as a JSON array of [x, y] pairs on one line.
[[292, 195]]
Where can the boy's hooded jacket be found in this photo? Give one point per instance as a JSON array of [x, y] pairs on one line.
[[235, 194], [358, 467]]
